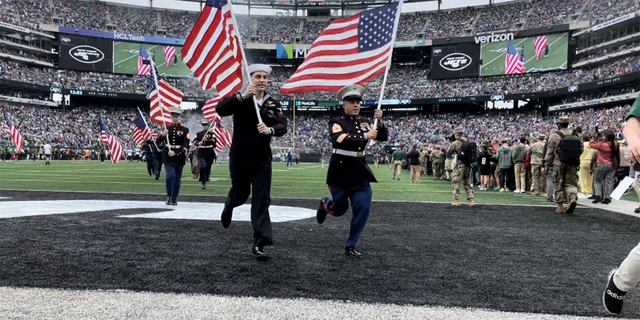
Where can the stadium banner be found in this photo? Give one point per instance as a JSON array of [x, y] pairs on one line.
[[409, 44], [455, 61], [13, 27], [85, 53], [120, 36], [613, 21], [542, 53], [125, 59], [495, 36]]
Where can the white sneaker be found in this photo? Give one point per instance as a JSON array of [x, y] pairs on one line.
[[516, 191]]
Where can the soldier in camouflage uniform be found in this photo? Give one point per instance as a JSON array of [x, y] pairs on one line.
[[437, 158], [462, 172], [536, 152], [565, 177]]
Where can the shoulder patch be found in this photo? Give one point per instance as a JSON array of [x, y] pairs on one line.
[[336, 128]]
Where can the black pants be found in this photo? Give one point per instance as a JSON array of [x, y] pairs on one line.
[[252, 175], [505, 178]]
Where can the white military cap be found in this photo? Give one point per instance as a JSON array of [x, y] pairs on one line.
[[175, 110], [351, 91], [259, 67]]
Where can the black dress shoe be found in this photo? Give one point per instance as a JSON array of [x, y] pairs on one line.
[[593, 196], [173, 203], [606, 201], [321, 214], [259, 252], [157, 177], [204, 186], [168, 202], [637, 210], [596, 200], [352, 252], [225, 217]]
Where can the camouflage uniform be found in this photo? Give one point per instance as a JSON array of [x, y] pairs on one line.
[[536, 154], [565, 177], [437, 158], [462, 173]]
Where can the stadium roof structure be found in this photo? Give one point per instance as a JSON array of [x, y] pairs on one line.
[[316, 4]]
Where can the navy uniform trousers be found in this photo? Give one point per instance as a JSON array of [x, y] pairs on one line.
[[360, 205]]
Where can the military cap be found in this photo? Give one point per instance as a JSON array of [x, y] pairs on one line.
[[563, 120], [351, 91], [541, 137], [204, 122], [175, 110], [259, 67], [458, 131]]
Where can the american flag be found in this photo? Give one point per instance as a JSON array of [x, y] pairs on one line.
[[114, 146], [222, 135], [212, 50], [143, 69], [141, 132], [171, 97], [540, 43], [515, 62], [350, 50], [169, 53], [209, 109], [18, 141]]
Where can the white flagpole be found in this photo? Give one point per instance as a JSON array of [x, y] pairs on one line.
[[155, 80], [146, 125], [244, 58], [386, 71]]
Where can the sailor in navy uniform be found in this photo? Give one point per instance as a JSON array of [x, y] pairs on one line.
[[153, 165], [349, 176], [250, 155], [174, 154], [206, 142]]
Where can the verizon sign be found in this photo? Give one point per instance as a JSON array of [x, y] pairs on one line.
[[494, 37]]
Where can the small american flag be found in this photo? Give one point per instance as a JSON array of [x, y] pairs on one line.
[[16, 137], [169, 53], [212, 50], [143, 69], [514, 62], [171, 97], [223, 137], [112, 143], [350, 51], [141, 132], [540, 43], [209, 109]]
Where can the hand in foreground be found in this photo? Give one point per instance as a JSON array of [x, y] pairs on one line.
[[165, 132], [378, 114], [171, 153], [371, 135], [249, 91], [263, 129]]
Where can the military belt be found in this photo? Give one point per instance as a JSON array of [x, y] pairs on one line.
[[357, 154], [174, 146], [205, 147]]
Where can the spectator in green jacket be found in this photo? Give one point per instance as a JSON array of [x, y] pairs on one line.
[[505, 161]]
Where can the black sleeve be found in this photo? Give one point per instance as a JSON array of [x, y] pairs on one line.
[[351, 138], [229, 105], [279, 123], [382, 134], [185, 141]]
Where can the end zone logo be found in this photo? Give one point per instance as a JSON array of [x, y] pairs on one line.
[[455, 61], [86, 54]]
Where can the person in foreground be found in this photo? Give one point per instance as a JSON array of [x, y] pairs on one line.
[[627, 275], [250, 155], [349, 176]]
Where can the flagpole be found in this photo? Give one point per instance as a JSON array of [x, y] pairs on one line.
[[293, 130], [386, 71], [244, 58], [146, 125], [155, 80]]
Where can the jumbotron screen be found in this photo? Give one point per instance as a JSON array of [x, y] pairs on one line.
[[552, 56], [125, 59]]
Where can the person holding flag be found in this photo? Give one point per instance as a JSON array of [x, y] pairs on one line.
[[174, 154], [349, 176], [250, 155], [206, 141]]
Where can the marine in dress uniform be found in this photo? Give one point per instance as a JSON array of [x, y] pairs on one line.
[[250, 155], [349, 176], [174, 154], [206, 142]]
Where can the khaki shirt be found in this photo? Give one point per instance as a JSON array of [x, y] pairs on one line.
[[456, 149], [554, 140], [536, 152]]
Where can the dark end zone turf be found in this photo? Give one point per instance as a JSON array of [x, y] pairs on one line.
[[523, 259]]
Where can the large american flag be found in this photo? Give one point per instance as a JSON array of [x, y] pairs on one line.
[[143, 69], [112, 143], [209, 109], [171, 97], [16, 137], [222, 135], [212, 50], [514, 62], [169, 53], [141, 132], [540, 43], [350, 51]]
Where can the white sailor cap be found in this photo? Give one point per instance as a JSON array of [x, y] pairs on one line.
[[259, 67], [351, 91]]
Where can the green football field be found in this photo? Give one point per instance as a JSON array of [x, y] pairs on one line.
[[494, 55], [303, 181], [125, 59]]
